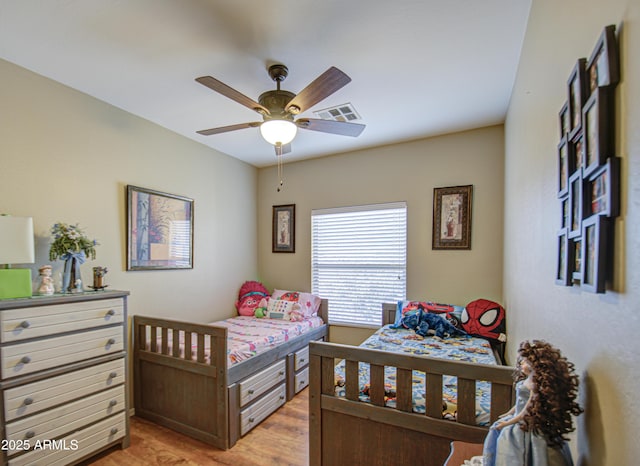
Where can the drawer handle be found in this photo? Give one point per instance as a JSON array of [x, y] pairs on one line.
[[25, 360], [111, 312], [112, 403], [28, 401], [281, 397], [30, 434], [25, 324], [114, 430], [111, 341], [113, 375], [250, 392], [302, 382], [301, 360], [251, 419], [281, 373]]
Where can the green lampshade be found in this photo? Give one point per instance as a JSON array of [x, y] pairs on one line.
[[15, 283]]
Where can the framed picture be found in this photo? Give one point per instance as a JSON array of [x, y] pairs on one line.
[[576, 96], [575, 247], [576, 205], [284, 228], [576, 153], [159, 230], [598, 140], [564, 168], [564, 120], [564, 275], [603, 67], [602, 189], [564, 208], [452, 217], [594, 243]]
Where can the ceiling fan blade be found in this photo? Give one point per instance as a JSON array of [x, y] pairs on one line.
[[342, 128], [321, 88], [226, 129], [282, 149], [222, 88]]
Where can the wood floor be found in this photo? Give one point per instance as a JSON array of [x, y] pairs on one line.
[[281, 439]]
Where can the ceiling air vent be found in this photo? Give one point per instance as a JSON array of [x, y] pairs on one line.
[[344, 112]]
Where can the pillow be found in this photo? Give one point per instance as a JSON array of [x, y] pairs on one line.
[[284, 310], [309, 303], [449, 311], [249, 297], [485, 319]]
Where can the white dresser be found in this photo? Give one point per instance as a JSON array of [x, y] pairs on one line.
[[64, 382]]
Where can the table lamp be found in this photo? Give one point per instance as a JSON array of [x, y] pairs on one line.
[[16, 247]]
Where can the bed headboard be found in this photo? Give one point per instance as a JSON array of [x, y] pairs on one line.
[[323, 311], [388, 313]]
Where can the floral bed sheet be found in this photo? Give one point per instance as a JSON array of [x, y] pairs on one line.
[[467, 349], [249, 336]]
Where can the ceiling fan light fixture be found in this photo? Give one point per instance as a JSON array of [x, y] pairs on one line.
[[278, 131]]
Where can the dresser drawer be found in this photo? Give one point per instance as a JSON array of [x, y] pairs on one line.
[[301, 358], [254, 414], [25, 358], [23, 323], [66, 418], [301, 379], [31, 398], [76, 445], [254, 386]]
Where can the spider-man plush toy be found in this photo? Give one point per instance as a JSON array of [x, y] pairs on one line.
[[485, 319]]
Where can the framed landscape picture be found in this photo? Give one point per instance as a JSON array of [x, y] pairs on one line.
[[452, 217], [159, 230]]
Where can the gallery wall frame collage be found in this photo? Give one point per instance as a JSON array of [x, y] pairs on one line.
[[589, 170]]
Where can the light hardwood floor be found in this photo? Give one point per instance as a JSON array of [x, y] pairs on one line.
[[281, 439]]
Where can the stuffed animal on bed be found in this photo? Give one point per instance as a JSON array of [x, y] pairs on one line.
[[249, 297], [425, 323]]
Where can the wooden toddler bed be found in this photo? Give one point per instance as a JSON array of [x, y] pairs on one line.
[[346, 430], [200, 393]]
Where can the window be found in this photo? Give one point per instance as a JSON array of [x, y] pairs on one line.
[[359, 260]]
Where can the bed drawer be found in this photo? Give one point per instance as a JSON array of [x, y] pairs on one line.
[[77, 445], [301, 358], [20, 324], [254, 386], [254, 414], [34, 397], [66, 418], [301, 379], [25, 358]]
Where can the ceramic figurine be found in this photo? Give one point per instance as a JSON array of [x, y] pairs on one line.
[[46, 282]]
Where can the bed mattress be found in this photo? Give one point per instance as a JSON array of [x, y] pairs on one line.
[[468, 349]]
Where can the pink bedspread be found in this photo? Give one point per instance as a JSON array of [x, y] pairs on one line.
[[248, 336]]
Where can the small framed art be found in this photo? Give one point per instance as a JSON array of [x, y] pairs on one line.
[[159, 230], [564, 167], [576, 205], [575, 247], [602, 189], [565, 259], [598, 140], [576, 96], [284, 228], [452, 217], [603, 67], [564, 119], [576, 153], [594, 243]]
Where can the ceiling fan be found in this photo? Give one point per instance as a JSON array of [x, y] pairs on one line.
[[279, 108]]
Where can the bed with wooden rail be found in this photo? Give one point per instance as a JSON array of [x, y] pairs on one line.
[[198, 393], [344, 430]]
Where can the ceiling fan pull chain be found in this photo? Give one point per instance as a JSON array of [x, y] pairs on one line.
[[280, 172]]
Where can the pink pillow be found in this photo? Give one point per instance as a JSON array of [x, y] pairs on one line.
[[309, 303]]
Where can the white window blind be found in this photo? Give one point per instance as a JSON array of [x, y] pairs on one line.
[[359, 260]]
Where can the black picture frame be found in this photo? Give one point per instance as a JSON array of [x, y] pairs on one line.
[[576, 205], [576, 152], [602, 190], [452, 217], [159, 230], [597, 132], [576, 96], [564, 212], [564, 167], [564, 274], [563, 117], [575, 246], [603, 66], [594, 252], [283, 237]]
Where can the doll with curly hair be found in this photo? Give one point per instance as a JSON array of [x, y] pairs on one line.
[[533, 432]]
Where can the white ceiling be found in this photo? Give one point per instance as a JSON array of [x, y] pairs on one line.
[[418, 67]]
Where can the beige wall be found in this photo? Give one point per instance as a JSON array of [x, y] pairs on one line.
[[65, 156], [402, 172], [597, 332]]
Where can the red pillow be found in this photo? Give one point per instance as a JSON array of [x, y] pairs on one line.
[[484, 318]]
